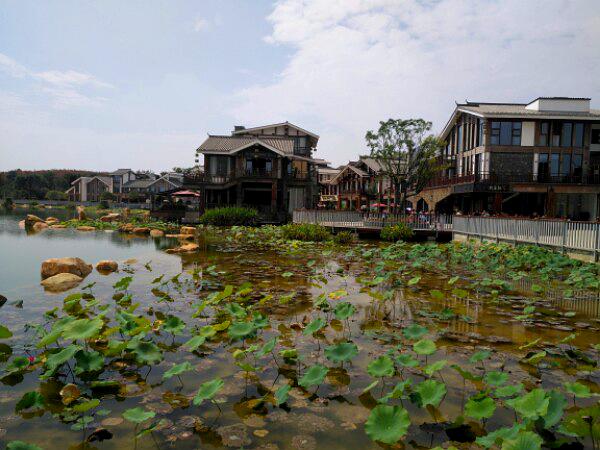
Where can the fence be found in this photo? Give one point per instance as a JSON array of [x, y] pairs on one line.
[[68, 202], [356, 219], [565, 236]]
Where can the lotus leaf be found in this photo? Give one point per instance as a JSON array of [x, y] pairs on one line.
[[480, 407], [435, 367], [55, 360], [69, 393], [83, 328], [281, 394], [510, 390], [381, 367], [30, 400], [241, 330], [17, 364], [208, 390], [314, 326], [236, 310], [495, 378], [177, 369], [138, 415], [313, 376], [343, 310], [4, 332], [86, 406], [578, 390], [479, 356], [424, 347], [525, 440], [407, 360], [20, 445], [496, 437], [430, 392], [173, 325], [532, 405], [556, 407], [341, 352], [414, 331], [387, 424], [91, 361], [583, 423], [146, 352]]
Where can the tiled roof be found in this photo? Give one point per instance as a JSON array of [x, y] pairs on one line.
[[120, 171], [144, 183], [106, 180], [230, 144], [518, 109], [371, 163]]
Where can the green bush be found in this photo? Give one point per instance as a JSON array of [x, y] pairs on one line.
[[8, 203], [107, 195], [397, 232], [343, 237], [229, 216], [104, 204], [55, 195], [305, 232]]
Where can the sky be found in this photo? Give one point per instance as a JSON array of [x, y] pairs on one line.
[[139, 84]]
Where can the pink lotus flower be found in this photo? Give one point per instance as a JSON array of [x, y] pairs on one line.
[[31, 359]]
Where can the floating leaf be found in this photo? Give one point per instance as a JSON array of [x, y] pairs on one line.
[[88, 361], [531, 405], [480, 407], [381, 367], [30, 400], [406, 360], [267, 348], [4, 332], [341, 352], [414, 331], [314, 326], [578, 390], [509, 391], [435, 367], [86, 406], [495, 378], [177, 369], [525, 440], [430, 392], [241, 330], [424, 347], [479, 356], [20, 445], [17, 364], [387, 424], [287, 274], [145, 352], [69, 393], [281, 394], [208, 390], [413, 281], [343, 310], [313, 376], [194, 342], [83, 328], [173, 325], [138, 415], [496, 437]]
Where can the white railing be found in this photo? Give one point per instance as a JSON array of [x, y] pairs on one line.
[[562, 235]]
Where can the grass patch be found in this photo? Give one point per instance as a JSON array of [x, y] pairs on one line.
[[229, 216]]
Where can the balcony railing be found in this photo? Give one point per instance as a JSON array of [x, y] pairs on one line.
[[511, 178]]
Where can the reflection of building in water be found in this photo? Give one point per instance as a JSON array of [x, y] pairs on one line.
[[469, 308]]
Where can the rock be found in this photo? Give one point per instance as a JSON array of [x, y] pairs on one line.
[[141, 230], [181, 236], [107, 265], [126, 228], [186, 248], [81, 213], [61, 282], [22, 224], [58, 226], [157, 233], [76, 266], [187, 230], [52, 221], [31, 219], [85, 228], [112, 217], [38, 226], [235, 435], [126, 213]]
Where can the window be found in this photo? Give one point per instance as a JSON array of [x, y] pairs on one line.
[[578, 135], [596, 136], [566, 135], [556, 130], [543, 137], [577, 160], [506, 133], [495, 133], [459, 143], [565, 168], [554, 164], [516, 133], [480, 134]]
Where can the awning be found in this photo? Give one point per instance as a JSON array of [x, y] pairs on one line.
[[186, 194]]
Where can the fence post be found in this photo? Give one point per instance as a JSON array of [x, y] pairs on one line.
[[514, 221], [597, 243], [497, 221], [564, 237], [537, 232]]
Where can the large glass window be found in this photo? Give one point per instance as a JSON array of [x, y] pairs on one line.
[[565, 168], [566, 135], [543, 136], [516, 133], [578, 135], [495, 135], [555, 138], [554, 164], [595, 136], [577, 161], [506, 133], [543, 169]]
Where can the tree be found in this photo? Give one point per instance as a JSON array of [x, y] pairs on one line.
[[407, 155], [107, 195], [55, 195]]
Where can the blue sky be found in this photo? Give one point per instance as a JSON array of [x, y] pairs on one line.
[[101, 85]]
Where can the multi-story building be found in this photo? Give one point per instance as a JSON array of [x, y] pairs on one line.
[[269, 168], [542, 157], [89, 189]]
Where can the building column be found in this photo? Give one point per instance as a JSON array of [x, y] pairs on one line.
[[274, 194]]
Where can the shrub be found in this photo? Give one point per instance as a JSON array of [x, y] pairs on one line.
[[8, 203], [104, 204], [106, 195], [56, 195], [305, 232], [229, 216], [343, 237], [397, 232]]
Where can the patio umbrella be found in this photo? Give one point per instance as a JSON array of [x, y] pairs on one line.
[[186, 194]]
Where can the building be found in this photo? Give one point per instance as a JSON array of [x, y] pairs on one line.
[[269, 168], [541, 157], [89, 189]]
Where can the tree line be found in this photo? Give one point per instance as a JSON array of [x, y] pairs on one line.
[[39, 184]]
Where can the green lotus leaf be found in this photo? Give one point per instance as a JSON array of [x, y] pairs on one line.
[[4, 332], [30, 400], [241, 330], [400, 388], [115, 347], [436, 294], [341, 352], [495, 378], [467, 375], [194, 343], [281, 394], [138, 415], [496, 437], [430, 392], [578, 390], [414, 281], [235, 310], [531, 405], [556, 408], [208, 390], [479, 356], [17, 364], [20, 445], [259, 321], [267, 347], [83, 328], [146, 352], [343, 310], [387, 424], [173, 325], [525, 440], [414, 331], [435, 367], [55, 360], [381, 367], [424, 347], [406, 360], [509, 391], [289, 353], [86, 405], [480, 407], [314, 326], [88, 361], [534, 358], [583, 423], [313, 376], [177, 369]]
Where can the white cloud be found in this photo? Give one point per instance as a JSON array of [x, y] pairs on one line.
[[64, 87], [201, 24], [356, 62]]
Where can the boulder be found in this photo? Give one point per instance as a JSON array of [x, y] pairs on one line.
[[126, 228], [22, 224], [31, 219], [180, 236], [58, 226], [186, 248], [141, 230], [52, 221], [38, 226], [157, 233], [75, 266], [107, 265], [61, 282], [85, 228], [112, 217], [126, 213], [188, 230], [81, 213]]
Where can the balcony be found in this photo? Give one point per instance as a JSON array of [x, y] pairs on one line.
[[515, 178]]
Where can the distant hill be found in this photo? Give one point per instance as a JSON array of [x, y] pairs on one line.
[[35, 184]]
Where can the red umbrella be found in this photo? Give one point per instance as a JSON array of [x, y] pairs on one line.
[[378, 205], [186, 194]]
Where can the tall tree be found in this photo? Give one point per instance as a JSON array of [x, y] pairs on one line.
[[406, 154]]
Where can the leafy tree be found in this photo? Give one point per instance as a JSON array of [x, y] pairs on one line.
[[107, 195], [406, 153], [55, 195]]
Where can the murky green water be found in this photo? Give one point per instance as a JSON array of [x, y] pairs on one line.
[[284, 288]]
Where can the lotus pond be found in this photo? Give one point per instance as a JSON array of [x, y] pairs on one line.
[[260, 343]]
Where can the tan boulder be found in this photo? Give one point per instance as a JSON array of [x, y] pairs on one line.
[[38, 226], [112, 217], [107, 265], [141, 230], [58, 226], [81, 213], [157, 233], [180, 236], [186, 248], [61, 282], [85, 228], [76, 266], [126, 228], [31, 219], [187, 230], [52, 221]]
